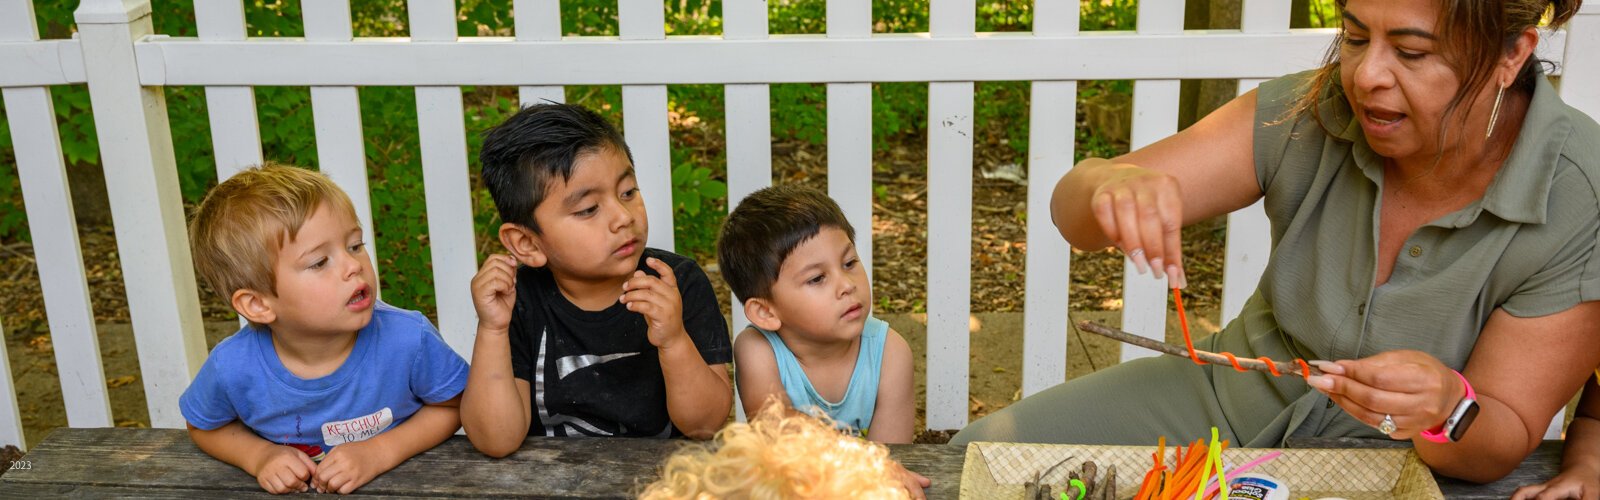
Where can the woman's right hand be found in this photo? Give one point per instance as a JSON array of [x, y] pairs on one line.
[[1141, 211]]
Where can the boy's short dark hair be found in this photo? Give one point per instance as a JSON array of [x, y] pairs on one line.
[[765, 228], [522, 155]]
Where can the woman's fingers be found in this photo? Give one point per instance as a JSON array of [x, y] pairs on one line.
[[1105, 214], [1151, 229], [1126, 206], [1172, 236]]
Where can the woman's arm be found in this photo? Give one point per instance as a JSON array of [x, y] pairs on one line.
[[1580, 462], [1137, 201], [1523, 370]]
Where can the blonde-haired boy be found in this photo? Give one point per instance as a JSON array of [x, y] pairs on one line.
[[327, 387]]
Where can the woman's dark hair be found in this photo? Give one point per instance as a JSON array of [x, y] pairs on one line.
[[1474, 34]]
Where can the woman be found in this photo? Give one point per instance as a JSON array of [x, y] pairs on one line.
[[1434, 207]]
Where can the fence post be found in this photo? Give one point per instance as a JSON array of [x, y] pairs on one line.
[[146, 206]]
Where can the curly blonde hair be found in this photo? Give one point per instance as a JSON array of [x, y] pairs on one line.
[[779, 455]]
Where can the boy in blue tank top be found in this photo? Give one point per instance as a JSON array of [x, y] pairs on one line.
[[813, 346], [789, 255], [327, 387]]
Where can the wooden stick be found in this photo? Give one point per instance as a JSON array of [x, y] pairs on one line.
[[1182, 352]]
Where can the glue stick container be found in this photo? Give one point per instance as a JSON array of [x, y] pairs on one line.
[[1257, 487]]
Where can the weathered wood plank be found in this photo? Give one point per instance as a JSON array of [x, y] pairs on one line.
[[165, 463], [1539, 467]]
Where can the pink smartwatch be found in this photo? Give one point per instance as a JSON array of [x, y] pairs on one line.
[[1455, 426]]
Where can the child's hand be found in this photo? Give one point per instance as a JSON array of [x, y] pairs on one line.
[[1566, 485], [913, 482], [494, 292], [658, 300], [284, 470], [349, 466]]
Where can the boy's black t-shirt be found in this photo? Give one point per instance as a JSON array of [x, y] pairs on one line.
[[595, 373]]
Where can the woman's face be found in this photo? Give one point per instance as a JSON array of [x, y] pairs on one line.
[[1396, 77]]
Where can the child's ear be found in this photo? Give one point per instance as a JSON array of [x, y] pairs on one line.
[[254, 306], [761, 313], [523, 244]]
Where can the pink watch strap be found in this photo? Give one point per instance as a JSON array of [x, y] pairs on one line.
[[1437, 434]]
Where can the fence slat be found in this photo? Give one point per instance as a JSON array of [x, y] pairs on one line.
[[146, 208], [336, 117], [1249, 244], [1053, 107], [1155, 115], [1249, 239], [1265, 16], [59, 257], [749, 123], [44, 189], [1051, 140], [644, 123], [538, 20], [850, 130], [949, 228], [235, 133], [441, 124], [949, 251], [10, 418]]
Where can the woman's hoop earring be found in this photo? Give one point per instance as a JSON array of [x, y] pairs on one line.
[[1495, 113]]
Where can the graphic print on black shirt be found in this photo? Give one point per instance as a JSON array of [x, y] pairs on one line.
[[595, 373]]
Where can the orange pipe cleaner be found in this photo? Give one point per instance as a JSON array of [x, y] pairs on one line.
[[1183, 323]]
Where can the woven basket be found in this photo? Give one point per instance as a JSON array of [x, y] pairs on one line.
[[998, 470]]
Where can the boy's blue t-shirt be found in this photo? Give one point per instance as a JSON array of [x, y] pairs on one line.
[[399, 364]]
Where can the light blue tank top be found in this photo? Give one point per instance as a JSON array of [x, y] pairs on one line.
[[860, 398]]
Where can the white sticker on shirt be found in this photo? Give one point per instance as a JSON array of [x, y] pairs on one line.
[[357, 429]]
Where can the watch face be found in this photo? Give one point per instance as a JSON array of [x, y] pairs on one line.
[[1468, 414]]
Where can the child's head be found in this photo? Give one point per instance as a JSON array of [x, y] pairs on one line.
[[779, 455], [790, 256], [283, 246], [562, 179]]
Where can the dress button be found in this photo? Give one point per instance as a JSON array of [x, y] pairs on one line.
[[1416, 251]]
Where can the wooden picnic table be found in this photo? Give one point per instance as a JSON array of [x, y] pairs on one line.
[[164, 463]]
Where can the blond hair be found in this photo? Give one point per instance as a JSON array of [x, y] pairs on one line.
[[779, 455], [238, 229]]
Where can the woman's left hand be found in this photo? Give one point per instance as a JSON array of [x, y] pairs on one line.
[[1411, 387]]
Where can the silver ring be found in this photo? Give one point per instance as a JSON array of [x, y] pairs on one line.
[[1136, 253], [1387, 425]]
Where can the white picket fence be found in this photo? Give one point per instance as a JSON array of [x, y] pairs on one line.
[[125, 67]]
